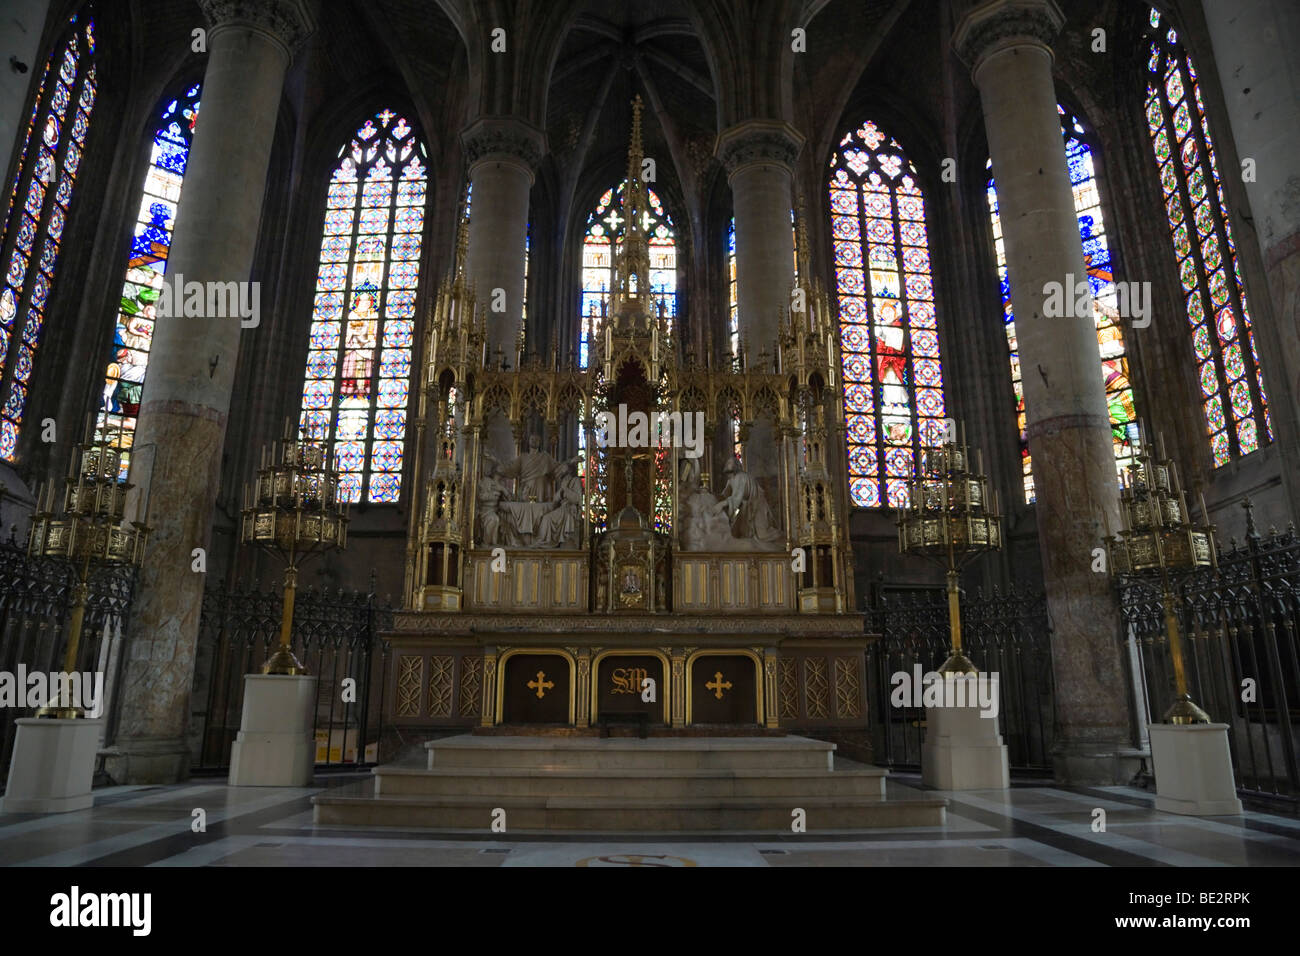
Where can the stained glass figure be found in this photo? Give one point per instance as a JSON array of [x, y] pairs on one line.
[[357, 387], [146, 266], [889, 343]]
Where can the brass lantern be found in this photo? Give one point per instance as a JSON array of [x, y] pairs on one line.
[[86, 526], [294, 509], [951, 517]]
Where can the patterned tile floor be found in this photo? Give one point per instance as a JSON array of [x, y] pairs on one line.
[[1034, 825]]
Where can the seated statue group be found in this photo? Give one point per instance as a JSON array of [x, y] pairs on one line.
[[544, 512]]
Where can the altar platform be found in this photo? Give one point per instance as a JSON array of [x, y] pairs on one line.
[[576, 784]]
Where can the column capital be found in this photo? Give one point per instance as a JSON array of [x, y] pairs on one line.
[[503, 139], [998, 25], [288, 22], [758, 142]]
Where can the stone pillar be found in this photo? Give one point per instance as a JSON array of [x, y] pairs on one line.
[[186, 401], [23, 21], [759, 157], [1007, 42], [1255, 48], [502, 153]]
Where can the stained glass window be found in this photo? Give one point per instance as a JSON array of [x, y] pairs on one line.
[[47, 172], [1232, 388], [528, 241], [605, 224], [889, 340], [150, 245], [1099, 261], [733, 302], [363, 322]]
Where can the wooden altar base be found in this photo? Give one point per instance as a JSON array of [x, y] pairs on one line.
[[486, 783]]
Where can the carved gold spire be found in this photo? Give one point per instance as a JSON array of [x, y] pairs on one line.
[[462, 234], [632, 258], [801, 243]]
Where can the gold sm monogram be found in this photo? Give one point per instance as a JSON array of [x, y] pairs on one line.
[[627, 680]]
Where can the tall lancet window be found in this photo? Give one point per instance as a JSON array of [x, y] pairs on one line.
[[150, 246], [600, 244], [1232, 389], [1102, 269], [363, 321], [733, 296], [39, 202], [889, 341]]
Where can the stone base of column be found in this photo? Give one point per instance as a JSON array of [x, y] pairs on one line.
[[1088, 762], [143, 760], [963, 750], [1193, 769], [53, 765], [275, 747]]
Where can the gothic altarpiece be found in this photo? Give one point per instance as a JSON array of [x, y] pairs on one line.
[[551, 591]]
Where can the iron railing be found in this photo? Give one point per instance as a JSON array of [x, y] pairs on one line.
[[1005, 633], [1240, 624], [35, 596], [336, 636]]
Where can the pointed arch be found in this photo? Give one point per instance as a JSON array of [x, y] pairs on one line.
[[1233, 397], [40, 202], [889, 343], [600, 242], [357, 383], [146, 266]]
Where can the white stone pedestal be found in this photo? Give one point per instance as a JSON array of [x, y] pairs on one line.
[[1193, 769], [275, 747], [962, 750], [53, 765]]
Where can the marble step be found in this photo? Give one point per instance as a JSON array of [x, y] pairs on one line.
[[664, 753], [511, 782], [627, 814]]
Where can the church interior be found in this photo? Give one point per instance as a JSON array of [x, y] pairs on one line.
[[673, 432]]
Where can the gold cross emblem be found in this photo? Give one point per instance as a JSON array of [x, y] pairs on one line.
[[542, 685], [717, 685]]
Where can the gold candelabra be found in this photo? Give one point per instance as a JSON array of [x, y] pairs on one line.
[[85, 527], [951, 518], [293, 508], [1157, 538]]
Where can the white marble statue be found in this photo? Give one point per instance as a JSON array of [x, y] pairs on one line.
[[490, 493], [559, 526], [747, 509], [705, 526], [532, 471]]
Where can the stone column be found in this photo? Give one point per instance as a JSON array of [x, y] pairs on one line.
[[1255, 48], [23, 21], [502, 153], [1007, 42], [759, 157], [186, 401]]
